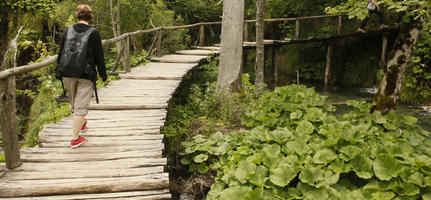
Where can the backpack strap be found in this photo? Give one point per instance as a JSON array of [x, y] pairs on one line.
[[87, 34]]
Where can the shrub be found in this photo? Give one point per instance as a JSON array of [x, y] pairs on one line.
[[304, 152]]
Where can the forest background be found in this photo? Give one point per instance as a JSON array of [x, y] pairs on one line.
[[44, 20]]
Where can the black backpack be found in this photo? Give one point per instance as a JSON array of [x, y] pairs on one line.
[[74, 57]]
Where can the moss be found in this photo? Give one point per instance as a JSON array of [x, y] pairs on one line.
[[391, 79], [401, 59], [385, 104]]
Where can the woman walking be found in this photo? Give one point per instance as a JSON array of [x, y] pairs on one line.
[[80, 51]]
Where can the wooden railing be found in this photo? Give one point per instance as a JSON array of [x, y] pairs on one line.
[[7, 77]]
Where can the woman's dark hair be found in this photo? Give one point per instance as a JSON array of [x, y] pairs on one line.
[[84, 12]]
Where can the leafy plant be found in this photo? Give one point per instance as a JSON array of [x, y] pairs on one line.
[[417, 82], [202, 110], [284, 107], [311, 154]]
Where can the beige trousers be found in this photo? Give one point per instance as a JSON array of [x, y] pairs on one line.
[[80, 92]]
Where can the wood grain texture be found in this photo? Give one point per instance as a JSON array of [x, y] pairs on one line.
[[82, 185], [122, 158], [179, 59], [81, 173], [142, 195]]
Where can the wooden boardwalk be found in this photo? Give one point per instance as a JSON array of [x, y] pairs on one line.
[[123, 156]]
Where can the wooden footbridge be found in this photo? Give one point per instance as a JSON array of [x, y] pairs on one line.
[[124, 148], [123, 156]]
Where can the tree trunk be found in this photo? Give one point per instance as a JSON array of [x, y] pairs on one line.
[[230, 71], [115, 26], [388, 95], [260, 48], [5, 13], [118, 22]]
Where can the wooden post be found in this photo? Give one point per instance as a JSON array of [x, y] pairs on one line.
[[328, 65], [159, 43], [340, 21], [119, 56], [297, 29], [245, 31], [127, 54], [202, 35], [384, 48], [277, 58], [8, 121]]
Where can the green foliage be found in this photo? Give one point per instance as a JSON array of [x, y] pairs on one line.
[[2, 158], [138, 60], [290, 8], [201, 110], [305, 152], [411, 9], [193, 11], [45, 109], [417, 82], [44, 7], [284, 107]]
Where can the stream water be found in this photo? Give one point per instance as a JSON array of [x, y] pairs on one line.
[[366, 94], [13, 46]]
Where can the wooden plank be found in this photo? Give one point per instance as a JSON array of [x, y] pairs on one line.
[[141, 94], [151, 66], [216, 48], [117, 119], [129, 112], [102, 123], [84, 185], [79, 157], [140, 86], [148, 77], [98, 133], [66, 138], [179, 59], [164, 196], [198, 52], [126, 106], [143, 195], [82, 173], [91, 150], [93, 165], [142, 99], [102, 143], [130, 102], [106, 128]]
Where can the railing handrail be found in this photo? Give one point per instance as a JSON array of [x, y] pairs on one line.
[[52, 59]]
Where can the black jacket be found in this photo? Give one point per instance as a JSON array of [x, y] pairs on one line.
[[95, 51]]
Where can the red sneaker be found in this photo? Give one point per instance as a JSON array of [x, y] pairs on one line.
[[78, 142], [84, 127]]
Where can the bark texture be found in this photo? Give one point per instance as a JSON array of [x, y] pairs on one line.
[[229, 76], [8, 100], [389, 92]]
